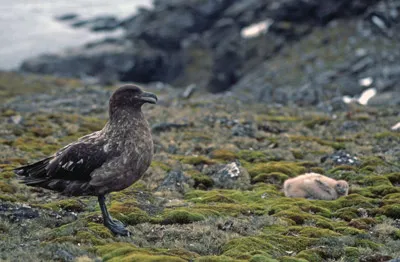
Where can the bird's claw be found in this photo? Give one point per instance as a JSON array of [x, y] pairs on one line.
[[117, 227]]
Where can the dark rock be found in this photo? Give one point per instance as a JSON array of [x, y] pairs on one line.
[[162, 127], [315, 11], [171, 22], [82, 101], [229, 176], [246, 12], [376, 257], [226, 226], [126, 60], [351, 126], [245, 129], [333, 105], [270, 128], [385, 99], [174, 181], [64, 255], [66, 17], [17, 213], [396, 223], [224, 38], [307, 95], [80, 23], [290, 31], [341, 158], [106, 23], [362, 64], [100, 23]]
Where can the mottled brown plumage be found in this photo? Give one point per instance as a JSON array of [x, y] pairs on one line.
[[102, 162]]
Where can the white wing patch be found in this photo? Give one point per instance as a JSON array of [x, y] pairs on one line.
[[68, 166]]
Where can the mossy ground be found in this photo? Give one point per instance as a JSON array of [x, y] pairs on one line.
[[202, 222]]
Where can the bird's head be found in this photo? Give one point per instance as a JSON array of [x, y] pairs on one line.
[[130, 96], [342, 187]]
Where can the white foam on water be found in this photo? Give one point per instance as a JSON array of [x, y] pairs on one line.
[[29, 27]]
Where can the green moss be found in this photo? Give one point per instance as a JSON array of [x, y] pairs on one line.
[[394, 178], [348, 201], [100, 230], [297, 153], [262, 258], [216, 259], [387, 134], [6, 174], [373, 180], [363, 223], [314, 232], [197, 137], [349, 231], [320, 120], [7, 188], [272, 245], [291, 259], [271, 178], [352, 254], [7, 198], [129, 213], [318, 170], [13, 84], [334, 145], [342, 168], [392, 211], [290, 169], [299, 206], [161, 165], [367, 244], [252, 155], [347, 213], [114, 252], [87, 237], [202, 181], [241, 248], [298, 217], [71, 205], [372, 161], [223, 154], [196, 160], [279, 118], [181, 217], [34, 145], [310, 255]]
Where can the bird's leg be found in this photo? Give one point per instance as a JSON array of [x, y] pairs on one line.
[[117, 227]]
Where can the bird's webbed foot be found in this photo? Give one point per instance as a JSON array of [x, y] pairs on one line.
[[117, 227]]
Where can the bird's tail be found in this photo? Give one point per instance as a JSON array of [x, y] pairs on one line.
[[34, 173]]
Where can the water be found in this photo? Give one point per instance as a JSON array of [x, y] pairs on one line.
[[28, 27]]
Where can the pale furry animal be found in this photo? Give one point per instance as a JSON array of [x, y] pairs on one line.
[[315, 186]]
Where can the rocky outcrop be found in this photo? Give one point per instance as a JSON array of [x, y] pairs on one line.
[[110, 60], [203, 42]]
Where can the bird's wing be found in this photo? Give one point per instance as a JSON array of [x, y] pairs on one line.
[[75, 161], [323, 186], [78, 160]]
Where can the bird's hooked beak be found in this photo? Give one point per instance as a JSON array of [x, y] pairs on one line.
[[148, 98]]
